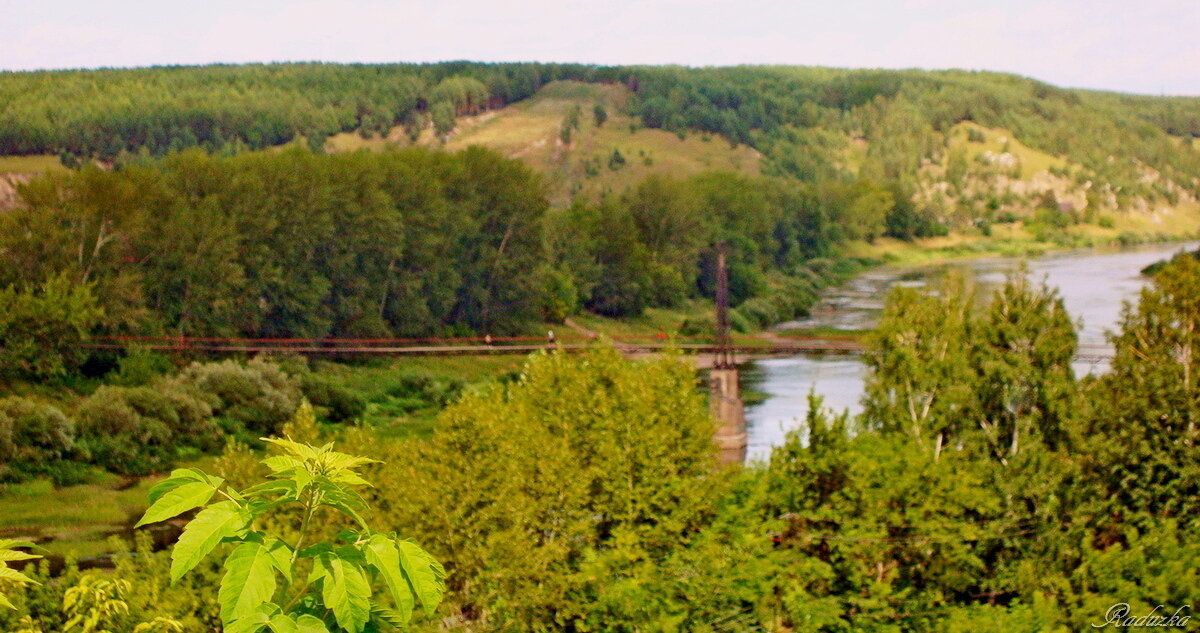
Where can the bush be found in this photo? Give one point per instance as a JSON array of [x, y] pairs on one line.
[[121, 438], [340, 404], [139, 366], [258, 394], [32, 435]]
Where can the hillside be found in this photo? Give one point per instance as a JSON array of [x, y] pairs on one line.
[[610, 157], [966, 148]]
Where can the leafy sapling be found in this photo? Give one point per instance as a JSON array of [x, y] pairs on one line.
[[326, 586]]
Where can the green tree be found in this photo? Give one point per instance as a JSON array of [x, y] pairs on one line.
[[585, 458], [599, 114], [921, 367], [443, 118], [41, 330], [1142, 429]]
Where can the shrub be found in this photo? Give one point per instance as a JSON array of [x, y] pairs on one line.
[[33, 435], [257, 394], [122, 439], [340, 404], [139, 366], [522, 485]]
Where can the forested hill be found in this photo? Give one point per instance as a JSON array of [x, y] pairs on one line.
[[811, 123]]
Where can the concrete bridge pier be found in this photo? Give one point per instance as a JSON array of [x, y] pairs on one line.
[[725, 403]]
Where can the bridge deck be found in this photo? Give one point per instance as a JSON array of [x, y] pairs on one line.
[[509, 345]]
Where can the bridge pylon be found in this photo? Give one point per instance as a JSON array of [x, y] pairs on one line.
[[725, 400]]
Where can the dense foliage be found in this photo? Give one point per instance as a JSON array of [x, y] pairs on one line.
[[401, 243], [984, 488], [289, 244], [103, 112]]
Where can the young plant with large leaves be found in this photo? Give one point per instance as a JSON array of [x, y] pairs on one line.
[[298, 586]]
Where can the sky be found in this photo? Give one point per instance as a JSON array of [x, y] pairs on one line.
[[1147, 46]]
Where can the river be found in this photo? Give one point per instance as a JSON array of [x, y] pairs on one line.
[[1094, 284]]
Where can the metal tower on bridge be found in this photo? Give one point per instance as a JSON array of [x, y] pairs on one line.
[[725, 401]]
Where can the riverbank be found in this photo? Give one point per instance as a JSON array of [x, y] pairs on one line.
[[1016, 239]]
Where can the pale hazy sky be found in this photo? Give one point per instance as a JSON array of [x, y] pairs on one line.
[[1146, 46]]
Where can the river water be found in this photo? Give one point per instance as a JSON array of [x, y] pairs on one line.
[[1094, 284]]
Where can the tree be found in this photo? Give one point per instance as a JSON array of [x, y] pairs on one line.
[[1143, 430], [1025, 386], [443, 118], [946, 375], [921, 367], [532, 490], [599, 114], [41, 330]]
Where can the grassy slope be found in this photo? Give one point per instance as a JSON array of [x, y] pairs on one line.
[[529, 130], [30, 164]]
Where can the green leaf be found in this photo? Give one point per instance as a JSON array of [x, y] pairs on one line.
[[177, 501], [348, 478], [303, 451], [281, 623], [344, 462], [10, 555], [424, 574], [391, 616], [249, 581], [281, 556], [342, 499], [310, 624], [5, 603], [8, 573], [345, 591], [286, 487], [10, 544], [254, 621], [203, 533], [382, 554], [179, 477], [283, 463]]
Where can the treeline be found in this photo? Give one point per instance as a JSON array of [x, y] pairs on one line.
[[652, 247], [289, 243], [403, 243]]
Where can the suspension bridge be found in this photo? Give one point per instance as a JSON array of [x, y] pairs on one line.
[[738, 346]]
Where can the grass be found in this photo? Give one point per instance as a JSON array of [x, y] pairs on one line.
[[78, 519], [405, 395], [652, 322], [30, 164]]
